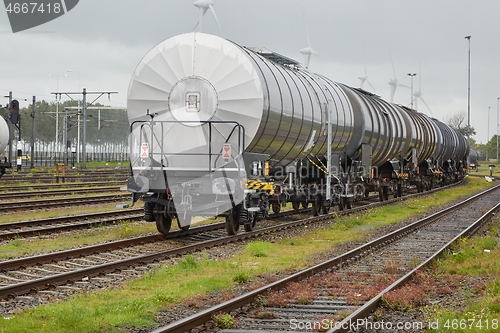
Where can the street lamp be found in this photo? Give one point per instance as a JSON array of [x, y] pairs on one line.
[[488, 135], [411, 75], [468, 93], [498, 99], [57, 108]]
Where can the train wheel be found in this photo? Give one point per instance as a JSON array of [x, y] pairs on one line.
[[275, 207], [341, 204], [348, 203], [295, 205], [381, 194], [163, 223], [305, 204], [149, 215], [315, 207], [232, 222], [324, 210], [186, 227], [250, 224]]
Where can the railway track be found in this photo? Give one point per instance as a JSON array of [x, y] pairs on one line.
[[20, 277], [67, 179], [6, 191], [58, 224], [61, 192], [27, 205], [354, 281]]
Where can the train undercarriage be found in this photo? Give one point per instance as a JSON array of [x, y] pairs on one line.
[[264, 192]]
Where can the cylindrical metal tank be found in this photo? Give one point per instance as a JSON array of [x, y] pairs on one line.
[[4, 135], [473, 157], [450, 142], [378, 124], [281, 106], [425, 136], [463, 147]]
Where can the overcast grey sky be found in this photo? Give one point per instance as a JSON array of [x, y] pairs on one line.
[[102, 41]]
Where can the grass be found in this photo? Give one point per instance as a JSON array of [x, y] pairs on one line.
[[137, 301], [473, 270], [29, 246], [95, 235]]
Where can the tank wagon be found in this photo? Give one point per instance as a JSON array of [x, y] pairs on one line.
[[473, 159], [218, 129], [4, 141]]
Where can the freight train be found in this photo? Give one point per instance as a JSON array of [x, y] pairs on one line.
[[4, 141], [219, 129]]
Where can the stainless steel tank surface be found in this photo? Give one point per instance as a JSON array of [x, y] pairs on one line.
[[200, 77], [203, 91]]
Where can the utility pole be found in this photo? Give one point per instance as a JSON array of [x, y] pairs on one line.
[[498, 110], [84, 94], [468, 93], [488, 135], [10, 128], [33, 109]]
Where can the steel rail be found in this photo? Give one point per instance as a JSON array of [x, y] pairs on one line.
[[55, 192], [17, 205], [93, 249], [7, 190], [365, 310], [77, 222], [38, 284], [204, 316]]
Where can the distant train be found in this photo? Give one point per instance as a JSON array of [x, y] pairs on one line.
[[473, 159], [4, 141], [218, 129]]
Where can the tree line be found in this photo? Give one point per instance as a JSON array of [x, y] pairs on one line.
[[106, 126]]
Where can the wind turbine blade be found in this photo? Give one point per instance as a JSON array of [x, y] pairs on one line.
[[371, 85], [361, 81], [426, 104], [364, 58], [215, 16], [419, 76], [392, 63], [307, 31], [308, 39], [404, 86]]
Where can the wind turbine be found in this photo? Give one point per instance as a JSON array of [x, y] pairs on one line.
[[394, 82], [307, 51], [418, 94], [364, 78], [205, 5]]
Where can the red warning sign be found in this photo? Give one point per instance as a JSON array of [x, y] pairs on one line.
[[226, 151], [145, 150]]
